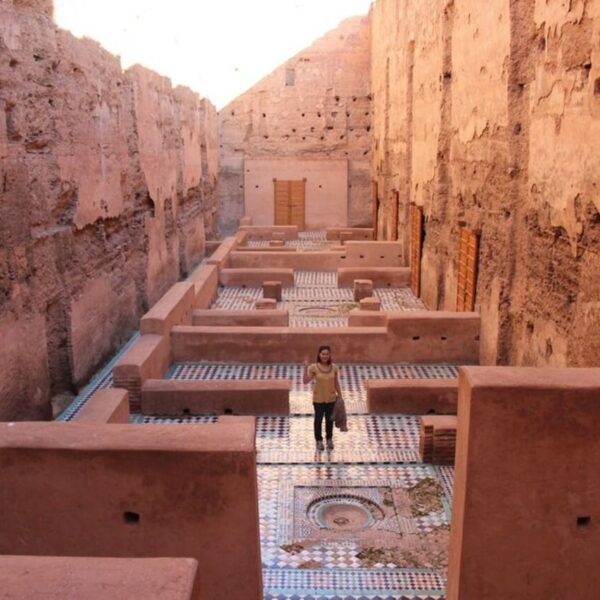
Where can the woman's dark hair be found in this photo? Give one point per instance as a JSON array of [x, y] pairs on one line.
[[321, 348]]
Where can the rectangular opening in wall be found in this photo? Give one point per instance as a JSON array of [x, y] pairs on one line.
[[290, 77], [374, 207], [468, 258], [394, 221], [416, 248]]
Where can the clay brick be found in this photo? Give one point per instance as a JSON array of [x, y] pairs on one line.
[[437, 444], [149, 357], [412, 396], [367, 318], [105, 406], [255, 277], [382, 277], [265, 304], [363, 288], [206, 282], [298, 261], [169, 397], [174, 308], [130, 489], [252, 318], [272, 289], [276, 243], [513, 423], [371, 303], [58, 578], [265, 233], [354, 233]]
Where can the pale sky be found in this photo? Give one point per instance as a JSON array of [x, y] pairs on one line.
[[219, 48]]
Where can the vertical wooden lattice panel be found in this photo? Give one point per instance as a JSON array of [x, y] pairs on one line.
[[289, 202], [297, 201], [282, 202], [374, 207], [468, 252], [416, 243]]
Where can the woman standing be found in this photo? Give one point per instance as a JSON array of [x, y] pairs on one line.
[[326, 386]]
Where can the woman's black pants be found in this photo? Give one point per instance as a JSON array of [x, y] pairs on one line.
[[323, 409]]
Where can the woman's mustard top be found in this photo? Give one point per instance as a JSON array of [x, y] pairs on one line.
[[324, 383]]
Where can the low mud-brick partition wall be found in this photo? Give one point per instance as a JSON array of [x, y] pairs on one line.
[[136, 491], [150, 356], [421, 337], [526, 495], [76, 578]]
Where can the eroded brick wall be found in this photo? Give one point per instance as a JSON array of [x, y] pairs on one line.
[[317, 105], [107, 191], [487, 115]]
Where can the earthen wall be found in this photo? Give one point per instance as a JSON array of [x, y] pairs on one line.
[[487, 116], [316, 106], [108, 183]]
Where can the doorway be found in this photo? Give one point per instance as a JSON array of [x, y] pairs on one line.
[[374, 207], [416, 248], [290, 202], [468, 258]]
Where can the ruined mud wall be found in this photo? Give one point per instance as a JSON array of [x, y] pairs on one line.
[[107, 189], [501, 105], [317, 105]]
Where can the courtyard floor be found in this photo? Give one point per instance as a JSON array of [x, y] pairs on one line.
[[366, 520]]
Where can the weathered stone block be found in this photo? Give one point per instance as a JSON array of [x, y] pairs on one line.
[[265, 304], [363, 288], [371, 303], [272, 289]]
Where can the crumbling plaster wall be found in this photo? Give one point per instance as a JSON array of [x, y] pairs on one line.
[[325, 114], [502, 105], [108, 183]]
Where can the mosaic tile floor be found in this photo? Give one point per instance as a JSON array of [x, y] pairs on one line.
[[378, 456], [352, 378], [307, 241], [316, 301], [346, 524]]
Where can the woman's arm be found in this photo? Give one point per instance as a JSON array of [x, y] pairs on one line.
[[338, 389], [307, 377]]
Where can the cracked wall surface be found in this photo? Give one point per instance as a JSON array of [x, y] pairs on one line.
[[487, 116], [108, 183], [315, 106]]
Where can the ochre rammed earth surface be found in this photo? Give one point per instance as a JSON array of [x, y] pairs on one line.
[[108, 183], [487, 114]]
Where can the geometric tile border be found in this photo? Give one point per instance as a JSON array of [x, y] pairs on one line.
[[354, 583]]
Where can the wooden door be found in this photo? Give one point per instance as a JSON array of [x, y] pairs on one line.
[[468, 255], [395, 224], [297, 201], [289, 202], [416, 246], [374, 207], [282, 201]]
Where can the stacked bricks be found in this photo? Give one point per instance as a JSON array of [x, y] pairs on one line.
[[272, 289], [437, 445], [363, 288]]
